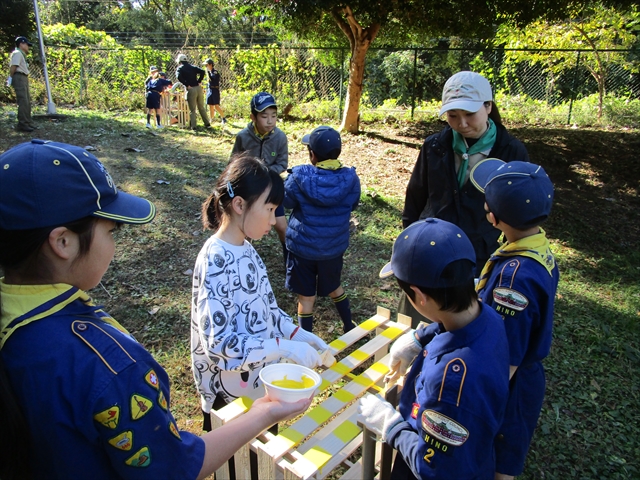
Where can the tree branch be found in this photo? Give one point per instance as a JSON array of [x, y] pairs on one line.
[[344, 26]]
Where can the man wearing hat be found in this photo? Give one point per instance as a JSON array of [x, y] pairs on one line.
[[213, 92], [519, 282], [19, 78], [455, 394], [191, 77]]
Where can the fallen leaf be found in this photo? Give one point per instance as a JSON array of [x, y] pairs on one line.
[[90, 148], [331, 329], [154, 310], [97, 134], [386, 286], [196, 233], [163, 182], [125, 134], [133, 149], [188, 272]]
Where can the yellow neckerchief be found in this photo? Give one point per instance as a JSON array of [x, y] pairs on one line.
[[329, 164], [534, 246], [255, 130], [23, 304]]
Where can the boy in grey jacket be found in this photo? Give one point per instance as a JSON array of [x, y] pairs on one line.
[[263, 139]]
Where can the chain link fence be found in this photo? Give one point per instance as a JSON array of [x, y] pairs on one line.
[[406, 83]]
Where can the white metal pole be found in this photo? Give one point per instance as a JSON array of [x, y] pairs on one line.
[[51, 107]]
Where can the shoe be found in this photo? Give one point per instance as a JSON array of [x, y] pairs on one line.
[[207, 126], [159, 127], [224, 121], [25, 129], [148, 125]]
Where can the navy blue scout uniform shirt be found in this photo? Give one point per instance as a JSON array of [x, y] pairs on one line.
[[520, 281], [189, 75], [96, 401], [214, 78], [453, 401], [158, 85]]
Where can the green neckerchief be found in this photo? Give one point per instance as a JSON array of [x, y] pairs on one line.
[[534, 246], [329, 164], [485, 142]]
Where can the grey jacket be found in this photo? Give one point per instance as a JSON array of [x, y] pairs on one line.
[[272, 149]]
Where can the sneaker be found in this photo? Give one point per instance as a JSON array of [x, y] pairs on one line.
[[224, 121], [148, 125], [24, 129], [159, 126], [347, 328]]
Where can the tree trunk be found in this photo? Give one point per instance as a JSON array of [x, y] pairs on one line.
[[360, 39], [354, 90]]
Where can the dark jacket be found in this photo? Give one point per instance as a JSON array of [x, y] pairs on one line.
[[322, 202], [433, 190], [272, 149], [214, 78], [189, 75]]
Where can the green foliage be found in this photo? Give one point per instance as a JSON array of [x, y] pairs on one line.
[[16, 18], [69, 34]]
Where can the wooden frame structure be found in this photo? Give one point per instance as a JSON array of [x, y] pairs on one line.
[[328, 433]]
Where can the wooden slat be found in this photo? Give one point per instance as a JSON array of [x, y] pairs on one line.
[[270, 453]]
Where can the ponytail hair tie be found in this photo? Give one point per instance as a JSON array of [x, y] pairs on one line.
[[230, 190]]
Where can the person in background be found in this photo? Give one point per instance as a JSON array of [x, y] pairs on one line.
[[19, 78], [155, 84], [191, 77], [322, 195], [439, 186], [263, 139], [213, 91]]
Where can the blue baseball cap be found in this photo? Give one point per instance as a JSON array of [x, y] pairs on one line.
[[324, 141], [20, 40], [424, 249], [518, 193], [261, 101], [48, 184]]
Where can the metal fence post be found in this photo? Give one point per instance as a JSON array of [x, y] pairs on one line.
[[413, 88], [573, 89], [83, 86], [275, 72], [341, 79]]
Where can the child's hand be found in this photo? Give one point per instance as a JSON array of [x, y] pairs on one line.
[[299, 352], [402, 354], [378, 415], [280, 411], [301, 335]]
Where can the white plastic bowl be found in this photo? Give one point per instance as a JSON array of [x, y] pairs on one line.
[[277, 371]]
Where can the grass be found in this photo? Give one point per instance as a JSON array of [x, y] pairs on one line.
[[589, 427]]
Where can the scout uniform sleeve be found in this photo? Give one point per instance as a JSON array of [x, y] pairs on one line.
[[444, 439], [518, 297], [138, 432], [129, 416]]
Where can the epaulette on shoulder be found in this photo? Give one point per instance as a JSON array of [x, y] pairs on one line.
[[101, 340]]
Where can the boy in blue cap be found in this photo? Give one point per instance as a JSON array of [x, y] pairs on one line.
[[454, 397], [519, 281], [263, 139], [322, 196]]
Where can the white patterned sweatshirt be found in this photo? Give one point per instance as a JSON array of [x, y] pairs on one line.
[[235, 321]]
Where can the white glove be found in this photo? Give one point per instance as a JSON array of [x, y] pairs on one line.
[[403, 352], [378, 415], [299, 352], [301, 335], [9, 80]]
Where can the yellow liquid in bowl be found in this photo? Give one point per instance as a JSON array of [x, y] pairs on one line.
[[306, 382]]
